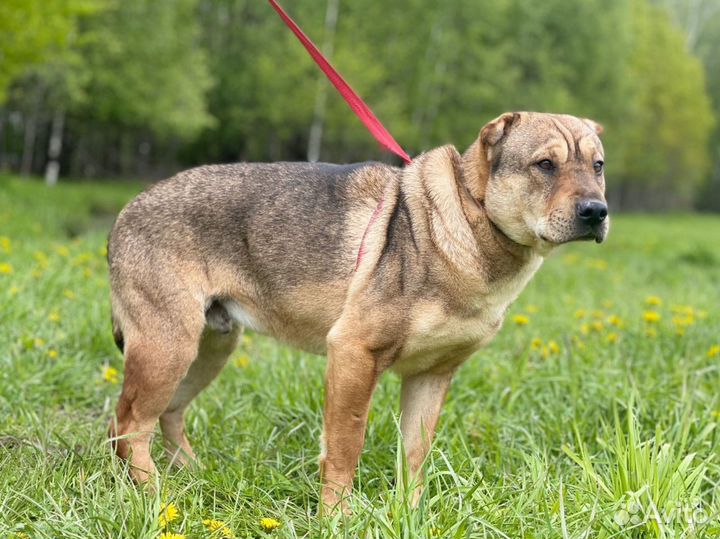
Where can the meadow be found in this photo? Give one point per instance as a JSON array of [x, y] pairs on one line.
[[593, 414]]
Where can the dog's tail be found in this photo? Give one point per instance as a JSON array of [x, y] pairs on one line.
[[117, 335]]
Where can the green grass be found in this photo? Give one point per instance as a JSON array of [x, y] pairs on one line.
[[609, 431]]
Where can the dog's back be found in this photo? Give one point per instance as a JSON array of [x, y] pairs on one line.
[[273, 215], [281, 234]]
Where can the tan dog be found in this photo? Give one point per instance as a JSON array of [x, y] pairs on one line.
[[381, 268]]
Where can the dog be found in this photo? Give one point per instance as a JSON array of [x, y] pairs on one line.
[[381, 268]]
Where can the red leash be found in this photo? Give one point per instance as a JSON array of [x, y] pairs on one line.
[[351, 98]]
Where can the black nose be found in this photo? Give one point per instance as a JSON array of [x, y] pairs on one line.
[[592, 212]]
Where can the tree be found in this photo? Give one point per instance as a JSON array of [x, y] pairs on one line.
[[33, 31], [147, 69], [669, 119], [36, 37]]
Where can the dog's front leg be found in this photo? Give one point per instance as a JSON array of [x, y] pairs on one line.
[[349, 383], [421, 400]]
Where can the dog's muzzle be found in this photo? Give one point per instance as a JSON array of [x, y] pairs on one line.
[[592, 213]]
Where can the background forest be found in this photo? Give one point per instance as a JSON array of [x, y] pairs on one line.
[[141, 89]]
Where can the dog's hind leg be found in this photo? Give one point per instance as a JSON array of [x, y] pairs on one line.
[[216, 345], [159, 350]]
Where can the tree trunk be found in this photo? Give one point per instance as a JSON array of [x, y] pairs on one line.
[[29, 142], [318, 124], [3, 114], [52, 170]]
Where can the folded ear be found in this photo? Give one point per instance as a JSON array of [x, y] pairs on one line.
[[476, 164], [598, 128], [494, 131]]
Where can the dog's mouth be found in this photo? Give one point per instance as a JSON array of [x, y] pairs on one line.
[[596, 234]]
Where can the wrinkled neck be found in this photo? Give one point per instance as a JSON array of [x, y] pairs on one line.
[[475, 174]]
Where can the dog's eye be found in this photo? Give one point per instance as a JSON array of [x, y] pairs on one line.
[[598, 166], [546, 165]]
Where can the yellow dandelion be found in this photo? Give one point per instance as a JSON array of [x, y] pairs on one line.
[[679, 331], [682, 309], [597, 325], [578, 342], [38, 342], [36, 273], [612, 337], [82, 258], [269, 524], [41, 258], [571, 259], [580, 313], [110, 375], [532, 309], [247, 340], [62, 250], [650, 332], [654, 301], [5, 268], [584, 329], [168, 511], [218, 526], [54, 316], [615, 320], [5, 244], [169, 535], [242, 361], [69, 294], [13, 291], [713, 351], [683, 321], [52, 353], [536, 343], [87, 272], [554, 347], [651, 316], [521, 319], [545, 352]]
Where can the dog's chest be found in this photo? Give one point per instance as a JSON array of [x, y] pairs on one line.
[[437, 334]]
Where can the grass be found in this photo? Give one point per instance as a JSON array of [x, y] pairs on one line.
[[588, 416]]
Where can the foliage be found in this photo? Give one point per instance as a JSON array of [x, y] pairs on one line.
[[34, 32], [147, 69], [669, 120], [174, 84]]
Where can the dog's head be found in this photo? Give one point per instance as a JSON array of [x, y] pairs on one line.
[[543, 179]]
